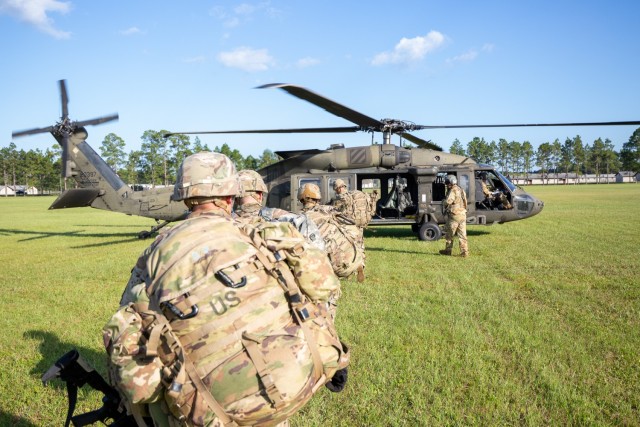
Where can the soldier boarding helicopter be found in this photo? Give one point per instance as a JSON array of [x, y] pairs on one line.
[[98, 185], [410, 181]]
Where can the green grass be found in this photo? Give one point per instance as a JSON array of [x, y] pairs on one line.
[[540, 326]]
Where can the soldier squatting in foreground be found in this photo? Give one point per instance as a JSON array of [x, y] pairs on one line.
[[224, 323]]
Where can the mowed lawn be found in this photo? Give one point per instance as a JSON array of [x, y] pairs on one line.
[[540, 326]]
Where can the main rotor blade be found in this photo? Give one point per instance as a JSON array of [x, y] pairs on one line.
[[329, 105], [301, 130], [97, 121], [32, 131], [421, 142], [627, 123], [64, 99]]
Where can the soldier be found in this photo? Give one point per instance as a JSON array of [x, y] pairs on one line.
[[215, 298], [250, 198], [342, 239], [455, 205], [309, 195], [355, 212], [485, 187], [492, 196], [249, 208]]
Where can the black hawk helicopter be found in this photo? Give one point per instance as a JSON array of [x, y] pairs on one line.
[[98, 186], [410, 182]]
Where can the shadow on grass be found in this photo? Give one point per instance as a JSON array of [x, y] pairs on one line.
[[51, 349], [404, 232], [7, 419], [35, 235], [398, 232]]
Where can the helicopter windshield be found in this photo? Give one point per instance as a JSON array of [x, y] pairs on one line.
[[504, 179]]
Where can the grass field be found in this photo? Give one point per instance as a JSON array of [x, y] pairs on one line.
[[540, 326]]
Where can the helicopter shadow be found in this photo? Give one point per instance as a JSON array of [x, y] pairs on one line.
[[36, 235], [394, 232], [406, 233]]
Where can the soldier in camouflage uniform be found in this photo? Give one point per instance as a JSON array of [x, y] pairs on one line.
[[249, 208], [250, 198], [344, 204], [455, 206], [216, 284], [342, 238]]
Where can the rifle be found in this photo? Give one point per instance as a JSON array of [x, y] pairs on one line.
[[76, 372]]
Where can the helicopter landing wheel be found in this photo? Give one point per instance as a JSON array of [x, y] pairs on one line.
[[429, 232]]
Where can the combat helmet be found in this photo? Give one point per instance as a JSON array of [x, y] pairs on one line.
[[338, 183], [250, 182], [206, 175], [451, 179], [309, 191]]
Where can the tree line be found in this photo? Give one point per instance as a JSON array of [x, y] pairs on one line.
[[155, 163], [158, 159], [571, 156]]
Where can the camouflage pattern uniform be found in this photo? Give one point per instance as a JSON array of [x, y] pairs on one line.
[[246, 307], [455, 205], [249, 209], [343, 240], [250, 199], [344, 205]]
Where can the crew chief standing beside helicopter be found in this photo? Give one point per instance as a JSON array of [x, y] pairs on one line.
[[455, 205]]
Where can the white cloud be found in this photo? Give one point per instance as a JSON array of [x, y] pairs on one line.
[[247, 59], [465, 57], [131, 31], [34, 12], [488, 47], [410, 50], [307, 62], [243, 13]]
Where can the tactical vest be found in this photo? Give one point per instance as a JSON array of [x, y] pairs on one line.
[[357, 206], [341, 242], [232, 327], [459, 205]]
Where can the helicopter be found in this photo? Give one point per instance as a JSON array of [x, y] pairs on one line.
[[98, 186], [408, 182]]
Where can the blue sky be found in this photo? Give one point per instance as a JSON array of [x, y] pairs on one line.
[[193, 65]]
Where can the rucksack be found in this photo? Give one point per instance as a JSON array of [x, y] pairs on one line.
[[357, 206], [248, 344], [340, 240]]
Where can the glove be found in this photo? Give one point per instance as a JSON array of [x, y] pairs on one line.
[[338, 381]]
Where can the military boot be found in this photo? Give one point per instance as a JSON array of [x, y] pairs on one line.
[[445, 252], [360, 274]]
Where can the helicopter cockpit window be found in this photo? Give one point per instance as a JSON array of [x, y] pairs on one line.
[[492, 191], [504, 179]]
